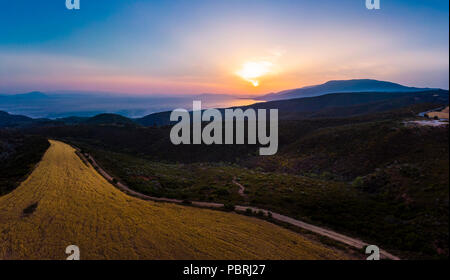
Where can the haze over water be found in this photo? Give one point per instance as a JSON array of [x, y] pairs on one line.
[[39, 105]]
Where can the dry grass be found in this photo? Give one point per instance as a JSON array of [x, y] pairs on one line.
[[75, 205], [440, 115]]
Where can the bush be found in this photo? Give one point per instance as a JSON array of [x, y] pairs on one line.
[[229, 207], [30, 209], [410, 171], [358, 182], [222, 192]]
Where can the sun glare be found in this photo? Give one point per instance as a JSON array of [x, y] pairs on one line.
[[253, 70]]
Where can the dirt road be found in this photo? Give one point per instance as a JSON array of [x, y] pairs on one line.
[[356, 243]]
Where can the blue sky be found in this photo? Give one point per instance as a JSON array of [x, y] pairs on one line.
[[170, 46]]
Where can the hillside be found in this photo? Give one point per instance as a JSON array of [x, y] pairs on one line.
[[8, 120], [154, 142], [65, 201], [334, 105], [18, 121], [109, 119], [351, 104], [327, 171], [339, 86], [381, 181]]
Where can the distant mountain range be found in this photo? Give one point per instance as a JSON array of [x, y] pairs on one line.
[[332, 105], [9, 120], [19, 121], [339, 86], [336, 105], [52, 105]]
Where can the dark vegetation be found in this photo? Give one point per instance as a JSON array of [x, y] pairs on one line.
[[154, 142], [369, 176], [18, 121], [18, 156], [401, 205], [111, 119], [351, 104]]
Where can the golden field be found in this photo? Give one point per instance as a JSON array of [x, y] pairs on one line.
[[78, 206], [440, 115]]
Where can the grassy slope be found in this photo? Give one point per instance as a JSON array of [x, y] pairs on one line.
[[75, 205]]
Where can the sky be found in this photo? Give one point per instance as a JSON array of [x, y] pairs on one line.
[[244, 47]]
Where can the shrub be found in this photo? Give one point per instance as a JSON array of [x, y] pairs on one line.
[[410, 171], [222, 192], [358, 182], [30, 209], [229, 207]]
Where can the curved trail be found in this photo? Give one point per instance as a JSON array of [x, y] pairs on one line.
[[241, 188], [356, 243]]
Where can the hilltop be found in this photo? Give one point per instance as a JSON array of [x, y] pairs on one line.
[[339, 86], [112, 119]]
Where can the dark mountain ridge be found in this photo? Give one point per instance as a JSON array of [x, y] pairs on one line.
[[331, 105], [341, 86]]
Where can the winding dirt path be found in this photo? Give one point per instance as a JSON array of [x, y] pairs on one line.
[[241, 188], [353, 242]]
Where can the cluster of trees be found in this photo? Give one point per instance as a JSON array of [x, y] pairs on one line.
[[19, 154]]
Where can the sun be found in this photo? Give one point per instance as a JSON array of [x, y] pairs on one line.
[[251, 71]]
